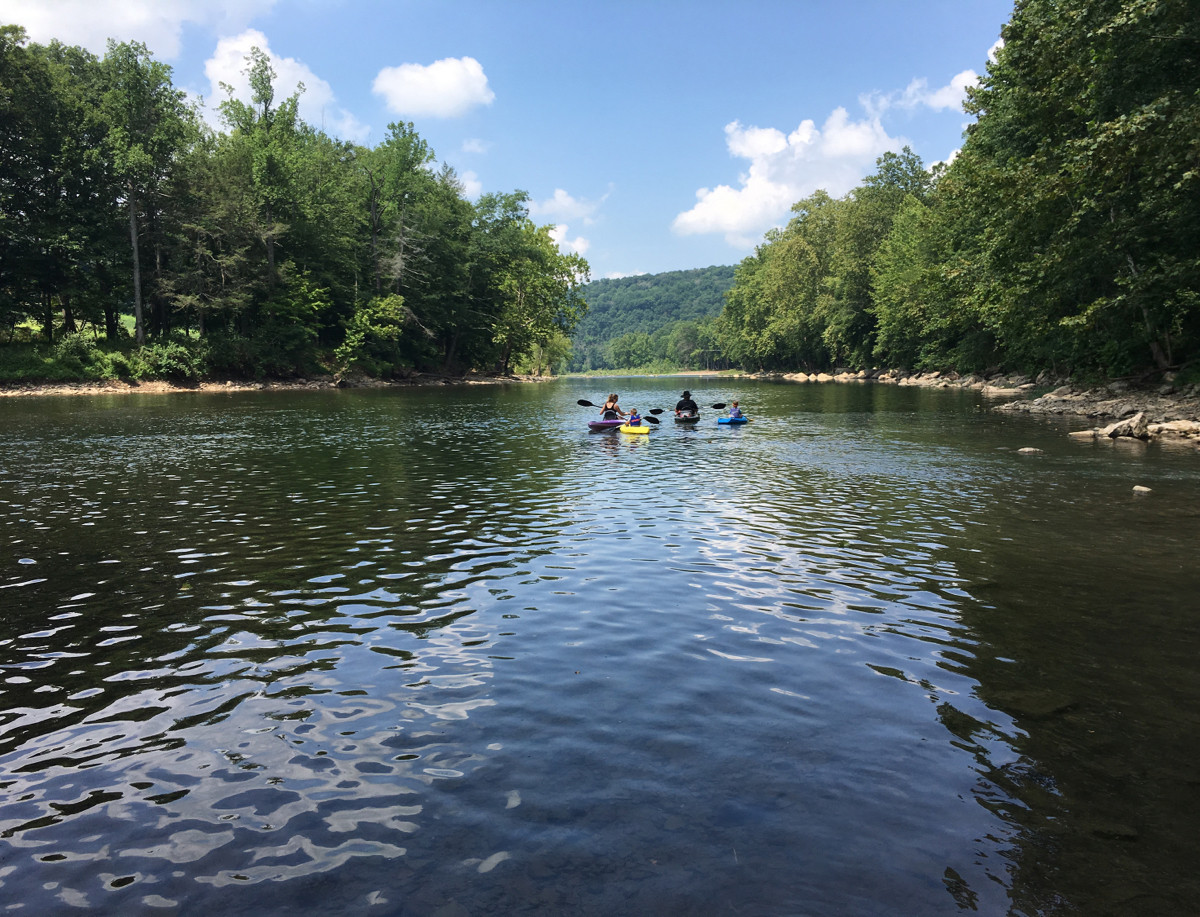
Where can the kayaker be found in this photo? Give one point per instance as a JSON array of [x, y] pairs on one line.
[[685, 405], [635, 419], [611, 410], [734, 410]]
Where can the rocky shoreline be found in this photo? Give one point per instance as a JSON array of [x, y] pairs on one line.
[[1164, 411], [157, 387]]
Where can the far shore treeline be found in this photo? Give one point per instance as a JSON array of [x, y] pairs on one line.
[[135, 241], [1063, 237]]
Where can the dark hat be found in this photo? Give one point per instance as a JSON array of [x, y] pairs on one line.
[[687, 394]]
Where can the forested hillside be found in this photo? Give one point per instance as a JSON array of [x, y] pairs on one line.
[[1065, 236], [135, 241], [651, 319]]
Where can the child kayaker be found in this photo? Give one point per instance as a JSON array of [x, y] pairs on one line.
[[635, 419], [734, 410]]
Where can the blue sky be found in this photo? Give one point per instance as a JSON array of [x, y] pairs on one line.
[[653, 136]]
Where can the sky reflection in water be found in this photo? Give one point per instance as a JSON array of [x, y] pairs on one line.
[[397, 652]]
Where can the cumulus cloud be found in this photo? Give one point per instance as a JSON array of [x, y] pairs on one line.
[[617, 275], [472, 186], [156, 23], [562, 206], [579, 245], [917, 94], [474, 145], [318, 104], [783, 169], [446, 88]]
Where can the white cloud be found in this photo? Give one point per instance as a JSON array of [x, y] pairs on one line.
[[917, 94], [783, 169], [617, 275], [949, 97], [562, 206], [318, 104], [157, 23], [579, 245], [474, 145], [472, 186], [446, 88]]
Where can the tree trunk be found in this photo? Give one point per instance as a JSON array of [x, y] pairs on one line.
[[139, 326], [69, 326], [48, 312], [110, 324], [376, 267], [270, 243], [451, 352], [162, 315]]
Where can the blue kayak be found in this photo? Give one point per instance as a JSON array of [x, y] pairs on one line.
[[733, 420]]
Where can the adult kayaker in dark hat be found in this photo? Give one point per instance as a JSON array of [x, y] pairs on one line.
[[685, 405]]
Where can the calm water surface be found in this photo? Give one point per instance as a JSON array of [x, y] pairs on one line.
[[444, 652]]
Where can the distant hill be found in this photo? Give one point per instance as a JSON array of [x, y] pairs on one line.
[[644, 305]]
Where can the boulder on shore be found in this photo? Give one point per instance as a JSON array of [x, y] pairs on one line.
[[1134, 414], [1135, 426]]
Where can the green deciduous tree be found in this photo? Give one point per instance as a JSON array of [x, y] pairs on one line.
[[268, 136], [1083, 171], [539, 289], [863, 222], [148, 126]]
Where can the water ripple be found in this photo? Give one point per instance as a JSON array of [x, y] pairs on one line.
[[251, 643]]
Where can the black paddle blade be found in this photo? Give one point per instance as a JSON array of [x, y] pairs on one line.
[[582, 402], [650, 419], [716, 407], [657, 410]]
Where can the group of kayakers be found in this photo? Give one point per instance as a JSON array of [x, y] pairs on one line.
[[685, 407]]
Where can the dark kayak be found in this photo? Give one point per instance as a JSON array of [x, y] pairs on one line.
[[687, 418]]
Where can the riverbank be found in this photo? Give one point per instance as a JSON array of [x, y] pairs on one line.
[[158, 387], [1125, 410]]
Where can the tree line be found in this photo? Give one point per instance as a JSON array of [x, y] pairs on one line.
[[1065, 235], [135, 239], [661, 321]]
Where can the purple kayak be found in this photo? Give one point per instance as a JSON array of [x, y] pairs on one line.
[[597, 426]]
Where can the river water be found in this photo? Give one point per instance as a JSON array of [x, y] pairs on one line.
[[445, 652]]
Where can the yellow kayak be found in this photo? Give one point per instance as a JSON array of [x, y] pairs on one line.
[[640, 428]]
